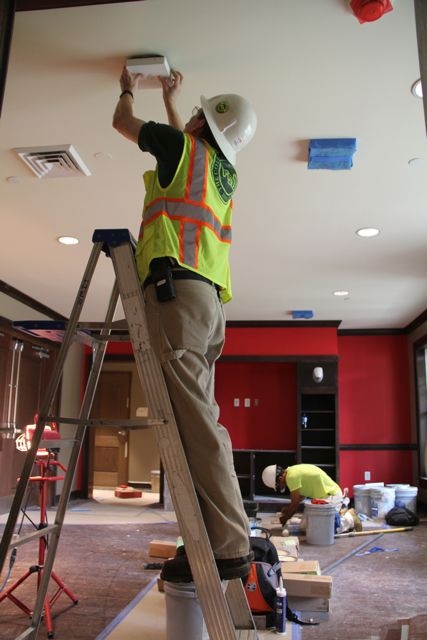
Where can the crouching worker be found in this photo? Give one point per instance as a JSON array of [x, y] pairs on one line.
[[303, 481]]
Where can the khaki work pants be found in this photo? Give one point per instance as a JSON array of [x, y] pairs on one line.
[[187, 334]]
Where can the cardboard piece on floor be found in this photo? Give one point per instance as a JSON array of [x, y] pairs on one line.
[[310, 567], [162, 548], [287, 547], [307, 585]]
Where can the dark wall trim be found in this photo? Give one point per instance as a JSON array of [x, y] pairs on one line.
[[378, 447], [372, 332], [241, 324], [7, 327], [261, 358], [419, 320], [7, 18], [34, 5], [10, 291], [421, 342]]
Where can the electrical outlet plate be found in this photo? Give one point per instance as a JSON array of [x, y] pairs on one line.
[[150, 67]]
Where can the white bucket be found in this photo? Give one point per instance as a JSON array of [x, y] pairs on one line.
[[382, 500], [320, 523], [184, 617], [362, 499], [406, 496]]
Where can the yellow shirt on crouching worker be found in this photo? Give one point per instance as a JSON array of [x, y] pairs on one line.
[[310, 481]]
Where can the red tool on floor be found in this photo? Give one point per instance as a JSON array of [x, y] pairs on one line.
[[47, 467]]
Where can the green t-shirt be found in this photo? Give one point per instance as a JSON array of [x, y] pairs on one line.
[[311, 481]]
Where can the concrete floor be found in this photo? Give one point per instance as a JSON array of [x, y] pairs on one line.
[[377, 579]]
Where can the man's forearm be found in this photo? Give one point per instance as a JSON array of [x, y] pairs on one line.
[[287, 512], [174, 118], [171, 88], [123, 119]]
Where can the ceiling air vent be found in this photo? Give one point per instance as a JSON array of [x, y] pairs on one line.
[[61, 161]]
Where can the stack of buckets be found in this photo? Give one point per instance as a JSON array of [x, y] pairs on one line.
[[375, 500]]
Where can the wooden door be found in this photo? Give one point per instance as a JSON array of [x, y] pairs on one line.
[[109, 445]]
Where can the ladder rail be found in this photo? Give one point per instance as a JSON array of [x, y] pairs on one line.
[[45, 408], [89, 395]]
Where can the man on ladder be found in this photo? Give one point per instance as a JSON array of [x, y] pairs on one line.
[[183, 263]]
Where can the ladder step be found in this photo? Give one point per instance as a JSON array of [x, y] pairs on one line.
[[137, 423], [27, 634], [34, 535]]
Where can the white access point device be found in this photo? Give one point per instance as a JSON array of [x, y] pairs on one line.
[[150, 67]]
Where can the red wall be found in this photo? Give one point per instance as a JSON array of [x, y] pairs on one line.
[[374, 395], [374, 392], [292, 341], [270, 387], [375, 408]]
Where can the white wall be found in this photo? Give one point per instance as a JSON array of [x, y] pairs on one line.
[[71, 400]]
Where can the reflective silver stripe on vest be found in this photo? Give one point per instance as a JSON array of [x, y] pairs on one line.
[[200, 161], [190, 243]]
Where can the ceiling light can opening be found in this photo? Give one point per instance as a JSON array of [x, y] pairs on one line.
[[68, 240], [367, 232], [417, 89], [340, 293]]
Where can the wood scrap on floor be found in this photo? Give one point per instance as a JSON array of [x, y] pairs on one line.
[[368, 532]]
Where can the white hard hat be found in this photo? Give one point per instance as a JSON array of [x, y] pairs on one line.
[[232, 121], [269, 476]]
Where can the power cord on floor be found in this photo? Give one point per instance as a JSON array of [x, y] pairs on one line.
[[9, 571]]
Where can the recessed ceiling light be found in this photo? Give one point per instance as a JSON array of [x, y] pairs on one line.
[[341, 292], [101, 155], [367, 232], [417, 89], [68, 240]]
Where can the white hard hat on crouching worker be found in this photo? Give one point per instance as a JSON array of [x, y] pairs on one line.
[[232, 121], [270, 476]]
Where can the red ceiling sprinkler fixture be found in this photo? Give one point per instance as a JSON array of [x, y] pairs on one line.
[[370, 10]]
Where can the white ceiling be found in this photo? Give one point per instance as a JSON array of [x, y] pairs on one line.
[[310, 70]]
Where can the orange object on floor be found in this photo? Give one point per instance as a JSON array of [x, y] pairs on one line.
[[123, 491]]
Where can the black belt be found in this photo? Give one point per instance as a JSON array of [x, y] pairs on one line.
[[184, 274]]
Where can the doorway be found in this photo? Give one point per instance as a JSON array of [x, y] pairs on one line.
[[109, 450]]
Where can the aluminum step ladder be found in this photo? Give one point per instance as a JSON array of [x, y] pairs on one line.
[[225, 608]]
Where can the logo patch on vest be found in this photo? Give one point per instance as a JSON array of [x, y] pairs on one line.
[[225, 178]]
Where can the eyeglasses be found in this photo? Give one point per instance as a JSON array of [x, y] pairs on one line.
[[197, 111]]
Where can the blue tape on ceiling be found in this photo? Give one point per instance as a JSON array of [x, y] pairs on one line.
[[305, 314], [331, 153]]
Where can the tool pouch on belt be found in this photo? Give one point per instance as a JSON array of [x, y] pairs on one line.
[[161, 275]]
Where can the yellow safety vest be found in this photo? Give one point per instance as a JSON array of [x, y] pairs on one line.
[[190, 219]]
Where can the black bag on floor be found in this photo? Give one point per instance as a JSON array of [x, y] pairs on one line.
[[401, 517], [263, 580]]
